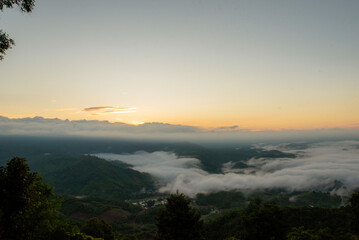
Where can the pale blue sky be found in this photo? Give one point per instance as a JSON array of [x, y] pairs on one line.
[[257, 64]]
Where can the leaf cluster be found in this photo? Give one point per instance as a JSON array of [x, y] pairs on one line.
[[25, 5], [5, 41]]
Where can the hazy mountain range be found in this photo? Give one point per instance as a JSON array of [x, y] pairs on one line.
[[222, 136]]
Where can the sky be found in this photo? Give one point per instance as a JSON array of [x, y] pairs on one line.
[[258, 65]]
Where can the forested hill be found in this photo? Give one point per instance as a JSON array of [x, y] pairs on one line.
[[212, 159], [90, 176]]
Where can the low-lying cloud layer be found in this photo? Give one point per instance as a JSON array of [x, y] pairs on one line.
[[160, 131], [331, 166], [90, 128]]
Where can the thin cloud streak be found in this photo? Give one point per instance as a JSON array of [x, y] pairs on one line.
[[109, 110], [66, 109]]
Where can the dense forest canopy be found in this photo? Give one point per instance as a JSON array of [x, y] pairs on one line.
[[29, 210]]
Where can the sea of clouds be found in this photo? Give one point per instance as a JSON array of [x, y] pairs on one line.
[[39, 126], [329, 166]]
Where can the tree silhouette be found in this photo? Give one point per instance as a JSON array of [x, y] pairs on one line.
[[300, 233], [98, 228], [179, 220], [25, 6], [354, 203], [25, 209], [262, 221]]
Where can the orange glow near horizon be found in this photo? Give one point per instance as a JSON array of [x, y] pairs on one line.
[[252, 124], [233, 63]]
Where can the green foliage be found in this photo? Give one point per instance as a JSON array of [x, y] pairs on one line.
[[26, 211], [5, 41], [124, 217], [354, 204], [81, 236], [129, 237], [262, 221], [25, 5], [315, 218], [300, 234], [90, 176], [232, 199], [98, 228], [94, 206], [224, 226], [255, 221], [222, 200], [354, 200], [298, 199], [269, 221], [179, 220]]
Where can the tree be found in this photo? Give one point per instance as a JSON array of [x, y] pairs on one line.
[[25, 209], [179, 220], [261, 221], [25, 6], [299, 233], [354, 204], [98, 228]]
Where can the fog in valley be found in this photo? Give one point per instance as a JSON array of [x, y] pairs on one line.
[[327, 166]]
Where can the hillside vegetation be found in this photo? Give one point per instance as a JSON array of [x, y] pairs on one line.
[[82, 175]]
